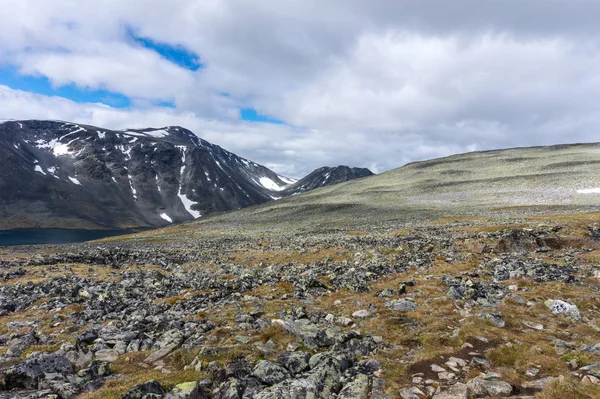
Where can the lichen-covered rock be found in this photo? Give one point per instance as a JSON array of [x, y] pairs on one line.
[[270, 373], [148, 390], [358, 388], [478, 387], [186, 390], [557, 306], [402, 305], [295, 362]]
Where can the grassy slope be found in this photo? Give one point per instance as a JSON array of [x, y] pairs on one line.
[[516, 181]]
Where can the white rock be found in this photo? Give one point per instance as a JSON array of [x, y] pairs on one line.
[[437, 369], [531, 324], [558, 306], [361, 314]]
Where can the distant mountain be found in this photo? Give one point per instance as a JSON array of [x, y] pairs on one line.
[[326, 176], [60, 174]]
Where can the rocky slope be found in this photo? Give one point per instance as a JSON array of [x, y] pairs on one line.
[[504, 308], [59, 174]]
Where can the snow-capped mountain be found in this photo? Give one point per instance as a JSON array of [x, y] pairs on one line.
[[60, 174]]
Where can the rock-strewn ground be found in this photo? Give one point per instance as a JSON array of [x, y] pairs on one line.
[[449, 309]]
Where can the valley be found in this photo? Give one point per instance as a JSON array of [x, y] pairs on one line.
[[472, 276]]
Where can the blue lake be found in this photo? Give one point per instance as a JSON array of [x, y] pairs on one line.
[[54, 236]]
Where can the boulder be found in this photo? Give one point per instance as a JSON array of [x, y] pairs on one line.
[[479, 387], [270, 373], [148, 390], [186, 390], [457, 391], [557, 306], [402, 305], [295, 362], [28, 374]]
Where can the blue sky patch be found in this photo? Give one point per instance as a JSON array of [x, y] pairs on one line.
[[10, 77], [250, 115], [174, 53]]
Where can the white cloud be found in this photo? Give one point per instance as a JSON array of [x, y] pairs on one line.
[[373, 84]]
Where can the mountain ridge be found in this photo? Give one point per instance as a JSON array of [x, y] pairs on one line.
[[63, 174]]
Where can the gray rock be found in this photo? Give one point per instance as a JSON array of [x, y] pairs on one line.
[[538, 385], [28, 374], [270, 373], [478, 387], [21, 346], [186, 390], [107, 355], [359, 388], [495, 318], [361, 314], [295, 362], [402, 304], [166, 344], [148, 390], [557, 306], [457, 391]]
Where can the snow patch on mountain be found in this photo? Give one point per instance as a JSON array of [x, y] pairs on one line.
[[166, 217], [589, 191], [57, 148], [270, 184]]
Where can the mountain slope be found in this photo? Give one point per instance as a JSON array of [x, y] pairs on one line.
[[59, 174], [519, 181], [326, 176]]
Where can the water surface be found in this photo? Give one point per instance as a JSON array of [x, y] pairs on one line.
[[54, 236]]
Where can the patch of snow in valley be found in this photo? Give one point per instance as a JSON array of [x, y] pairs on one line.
[[154, 133], [270, 184], [20, 125], [52, 170], [74, 180], [16, 145], [55, 146], [187, 203], [158, 133], [157, 185], [133, 190], [166, 217], [589, 191], [135, 134], [113, 179], [39, 169], [101, 135]]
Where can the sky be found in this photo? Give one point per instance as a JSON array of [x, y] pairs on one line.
[[299, 84]]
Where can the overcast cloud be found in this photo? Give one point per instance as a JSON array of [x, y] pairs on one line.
[[364, 83]]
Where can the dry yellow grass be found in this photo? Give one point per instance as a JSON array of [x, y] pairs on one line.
[[569, 388]]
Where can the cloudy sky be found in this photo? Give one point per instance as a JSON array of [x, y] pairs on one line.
[[299, 84]]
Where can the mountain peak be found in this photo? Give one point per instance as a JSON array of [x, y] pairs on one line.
[[65, 174]]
